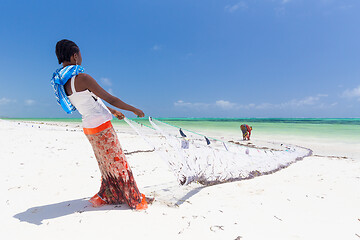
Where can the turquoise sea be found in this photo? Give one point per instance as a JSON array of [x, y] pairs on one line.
[[334, 129]]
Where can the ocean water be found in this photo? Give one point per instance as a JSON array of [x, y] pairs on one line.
[[345, 130], [331, 129]]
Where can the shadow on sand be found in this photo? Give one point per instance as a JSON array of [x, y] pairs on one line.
[[36, 215], [189, 195]]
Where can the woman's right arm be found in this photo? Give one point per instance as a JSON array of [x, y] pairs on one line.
[[85, 81]]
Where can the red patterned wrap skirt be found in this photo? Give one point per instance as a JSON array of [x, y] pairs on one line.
[[117, 184]]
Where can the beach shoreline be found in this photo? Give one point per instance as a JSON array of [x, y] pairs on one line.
[[50, 172]]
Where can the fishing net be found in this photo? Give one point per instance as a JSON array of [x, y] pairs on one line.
[[193, 157]]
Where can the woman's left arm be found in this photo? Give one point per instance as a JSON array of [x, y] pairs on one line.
[[87, 82]]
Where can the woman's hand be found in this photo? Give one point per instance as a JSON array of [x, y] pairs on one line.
[[138, 112], [118, 115]]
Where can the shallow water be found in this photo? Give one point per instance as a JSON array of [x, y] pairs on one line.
[[344, 130], [326, 129]]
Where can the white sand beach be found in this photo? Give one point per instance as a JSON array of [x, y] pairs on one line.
[[49, 172]]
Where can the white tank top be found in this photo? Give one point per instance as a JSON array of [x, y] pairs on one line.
[[92, 109]]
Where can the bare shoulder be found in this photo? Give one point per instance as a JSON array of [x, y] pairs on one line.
[[84, 81], [84, 77]]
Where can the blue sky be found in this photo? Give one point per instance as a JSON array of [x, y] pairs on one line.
[[204, 58]]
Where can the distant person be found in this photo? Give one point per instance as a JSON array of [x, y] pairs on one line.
[[75, 89], [246, 131]]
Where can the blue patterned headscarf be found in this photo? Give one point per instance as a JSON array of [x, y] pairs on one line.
[[60, 77]]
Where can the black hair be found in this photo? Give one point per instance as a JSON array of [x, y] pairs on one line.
[[65, 49]]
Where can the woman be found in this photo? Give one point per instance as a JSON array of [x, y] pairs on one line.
[[75, 89], [246, 131]]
